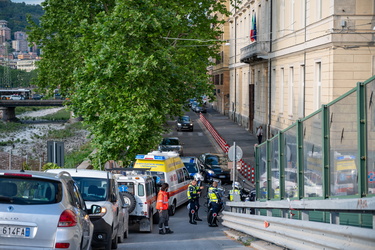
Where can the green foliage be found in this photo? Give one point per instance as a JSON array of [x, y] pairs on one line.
[[50, 165], [19, 78], [127, 66], [10, 127], [75, 158], [16, 14]]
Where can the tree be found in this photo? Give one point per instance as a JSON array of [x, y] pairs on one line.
[[127, 66]]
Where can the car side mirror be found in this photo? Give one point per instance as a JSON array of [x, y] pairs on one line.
[[96, 209], [113, 198]]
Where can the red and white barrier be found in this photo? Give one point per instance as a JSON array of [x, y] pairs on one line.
[[246, 170]]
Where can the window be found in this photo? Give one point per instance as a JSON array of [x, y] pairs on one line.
[[318, 9], [273, 90], [290, 91], [281, 93], [301, 94], [318, 84]]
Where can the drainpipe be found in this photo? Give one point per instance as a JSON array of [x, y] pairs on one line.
[[270, 76], [235, 62]]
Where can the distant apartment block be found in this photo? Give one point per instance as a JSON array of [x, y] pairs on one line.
[[4, 31], [20, 45], [26, 65]]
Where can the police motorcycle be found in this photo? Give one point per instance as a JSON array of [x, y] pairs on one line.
[[245, 193], [214, 208]]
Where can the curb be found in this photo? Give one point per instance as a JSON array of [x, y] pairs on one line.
[[251, 241]]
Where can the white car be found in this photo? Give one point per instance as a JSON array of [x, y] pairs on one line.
[[43, 211], [100, 187], [16, 97], [311, 189]]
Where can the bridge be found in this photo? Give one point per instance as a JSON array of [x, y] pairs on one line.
[[8, 107]]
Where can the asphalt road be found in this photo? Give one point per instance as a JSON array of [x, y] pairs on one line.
[[186, 235]]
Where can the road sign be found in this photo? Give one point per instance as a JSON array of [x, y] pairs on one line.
[[235, 150]]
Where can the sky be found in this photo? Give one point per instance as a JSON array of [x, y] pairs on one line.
[[28, 1]]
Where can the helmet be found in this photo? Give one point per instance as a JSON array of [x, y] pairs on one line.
[[198, 177], [237, 185]]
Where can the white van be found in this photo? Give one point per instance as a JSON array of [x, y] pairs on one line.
[[167, 167], [140, 193]]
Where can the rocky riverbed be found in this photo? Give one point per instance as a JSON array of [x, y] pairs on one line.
[[28, 147]]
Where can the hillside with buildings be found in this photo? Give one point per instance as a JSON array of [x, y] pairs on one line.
[[15, 51]]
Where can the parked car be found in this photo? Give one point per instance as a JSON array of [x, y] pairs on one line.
[[16, 97], [171, 144], [199, 108], [215, 166], [191, 164], [43, 211], [37, 97], [140, 193], [184, 123], [100, 187], [291, 188]]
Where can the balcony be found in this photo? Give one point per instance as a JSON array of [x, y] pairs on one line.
[[254, 52]]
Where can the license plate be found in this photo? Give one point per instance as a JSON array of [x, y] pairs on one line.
[[222, 176], [11, 231]]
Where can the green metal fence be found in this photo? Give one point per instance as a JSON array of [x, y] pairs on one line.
[[328, 154]]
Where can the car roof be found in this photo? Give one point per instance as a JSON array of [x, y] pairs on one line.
[[35, 174], [75, 172], [190, 159]]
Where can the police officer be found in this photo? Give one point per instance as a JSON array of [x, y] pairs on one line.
[[193, 197], [236, 191], [214, 204]]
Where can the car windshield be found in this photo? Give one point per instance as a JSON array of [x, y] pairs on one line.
[[31, 191], [184, 119], [191, 167], [212, 160], [169, 141], [92, 189]]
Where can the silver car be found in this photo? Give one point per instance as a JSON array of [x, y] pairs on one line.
[[42, 211], [171, 144]]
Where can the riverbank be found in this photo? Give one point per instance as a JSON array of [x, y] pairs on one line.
[[29, 145]]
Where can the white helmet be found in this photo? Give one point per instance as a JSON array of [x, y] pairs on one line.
[[198, 177], [237, 185]]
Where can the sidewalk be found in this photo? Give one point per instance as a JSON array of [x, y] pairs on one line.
[[231, 132]]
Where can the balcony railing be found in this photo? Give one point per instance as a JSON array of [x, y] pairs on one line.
[[255, 51]]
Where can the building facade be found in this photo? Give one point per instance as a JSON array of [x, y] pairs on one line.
[[220, 70], [290, 57]]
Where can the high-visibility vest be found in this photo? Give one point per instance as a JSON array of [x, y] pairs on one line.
[[162, 200], [192, 192], [212, 194], [277, 193], [231, 192]]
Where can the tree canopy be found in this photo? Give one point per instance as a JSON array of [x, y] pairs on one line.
[[127, 66]]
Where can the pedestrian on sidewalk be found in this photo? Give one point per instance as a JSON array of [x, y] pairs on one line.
[[162, 204], [259, 134]]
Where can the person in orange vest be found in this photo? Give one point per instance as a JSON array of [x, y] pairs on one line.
[[162, 207]]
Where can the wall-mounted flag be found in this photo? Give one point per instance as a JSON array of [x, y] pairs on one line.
[[253, 31]]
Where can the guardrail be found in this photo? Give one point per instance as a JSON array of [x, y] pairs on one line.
[[302, 233], [246, 170]]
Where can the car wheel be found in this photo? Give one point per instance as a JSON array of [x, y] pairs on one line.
[[130, 200], [172, 209], [121, 235], [114, 244]]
